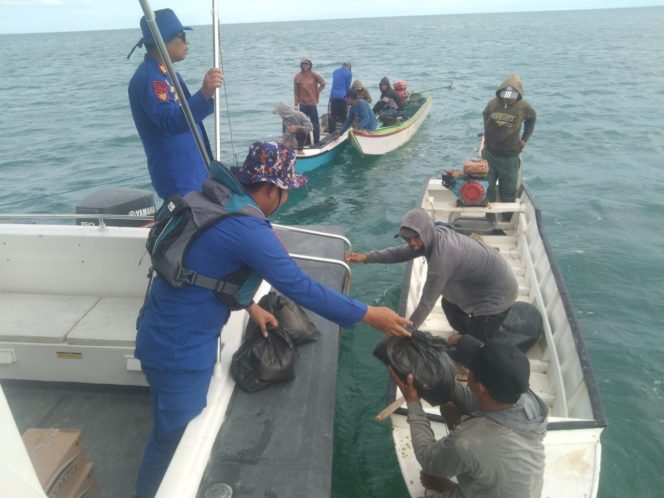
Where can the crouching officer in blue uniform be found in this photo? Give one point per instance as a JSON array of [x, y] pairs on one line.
[[181, 321], [174, 161]]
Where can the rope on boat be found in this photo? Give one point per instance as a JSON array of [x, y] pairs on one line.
[[228, 112]]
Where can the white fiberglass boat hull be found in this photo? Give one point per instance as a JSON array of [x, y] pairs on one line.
[[560, 369], [390, 138]]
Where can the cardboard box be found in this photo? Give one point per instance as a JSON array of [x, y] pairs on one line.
[[58, 458], [68, 481], [86, 484]]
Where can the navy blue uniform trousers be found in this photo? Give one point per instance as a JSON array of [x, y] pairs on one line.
[[177, 397]]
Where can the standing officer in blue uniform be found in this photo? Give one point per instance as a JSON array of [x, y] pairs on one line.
[[174, 161], [179, 326]]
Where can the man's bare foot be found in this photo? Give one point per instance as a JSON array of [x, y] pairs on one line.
[[440, 484]]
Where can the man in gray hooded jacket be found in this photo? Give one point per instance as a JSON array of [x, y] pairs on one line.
[[296, 126], [497, 449], [477, 284]]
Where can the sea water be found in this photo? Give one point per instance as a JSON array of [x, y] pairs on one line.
[[594, 164]]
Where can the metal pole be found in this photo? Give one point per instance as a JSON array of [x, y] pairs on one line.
[[163, 52], [216, 51]]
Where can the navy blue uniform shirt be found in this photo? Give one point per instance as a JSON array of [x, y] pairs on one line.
[[174, 161], [179, 327]]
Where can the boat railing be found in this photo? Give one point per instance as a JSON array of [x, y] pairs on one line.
[[347, 248], [347, 273], [348, 245], [554, 364]]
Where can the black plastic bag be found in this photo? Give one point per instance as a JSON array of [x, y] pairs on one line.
[[291, 317], [425, 356], [261, 361], [522, 326]]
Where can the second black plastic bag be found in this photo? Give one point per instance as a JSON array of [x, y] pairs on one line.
[[291, 317], [522, 327], [425, 356], [262, 361]]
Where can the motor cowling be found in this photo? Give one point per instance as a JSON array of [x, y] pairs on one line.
[[472, 192], [117, 200], [469, 185]]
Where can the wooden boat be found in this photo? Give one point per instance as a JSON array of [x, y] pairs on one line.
[[388, 138], [311, 157], [69, 298], [560, 368]]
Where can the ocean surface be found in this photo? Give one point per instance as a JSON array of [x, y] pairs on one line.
[[595, 165]]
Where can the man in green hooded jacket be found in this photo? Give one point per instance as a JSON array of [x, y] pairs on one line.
[[503, 141]]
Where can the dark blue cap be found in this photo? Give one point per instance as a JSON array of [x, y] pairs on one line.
[[168, 23], [169, 26]]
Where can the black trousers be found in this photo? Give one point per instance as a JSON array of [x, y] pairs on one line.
[[482, 327], [337, 110], [312, 112]]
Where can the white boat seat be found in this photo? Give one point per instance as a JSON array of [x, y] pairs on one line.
[[478, 211], [41, 318], [539, 366], [539, 383], [112, 322]]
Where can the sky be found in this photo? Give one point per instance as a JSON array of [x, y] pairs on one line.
[[43, 16]]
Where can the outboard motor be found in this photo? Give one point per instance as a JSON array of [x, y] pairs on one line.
[[470, 186], [117, 200]]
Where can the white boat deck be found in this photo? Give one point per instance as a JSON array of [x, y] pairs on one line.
[[560, 373]]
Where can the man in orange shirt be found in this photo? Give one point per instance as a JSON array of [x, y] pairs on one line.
[[307, 86]]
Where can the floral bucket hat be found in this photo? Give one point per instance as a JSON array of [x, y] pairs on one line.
[[270, 162]]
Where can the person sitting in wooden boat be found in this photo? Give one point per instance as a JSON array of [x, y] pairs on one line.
[[389, 105], [296, 126], [366, 119], [496, 449], [477, 284], [216, 266], [401, 87], [362, 91], [174, 161]]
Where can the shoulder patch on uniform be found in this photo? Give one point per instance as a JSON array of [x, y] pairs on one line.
[[160, 90]]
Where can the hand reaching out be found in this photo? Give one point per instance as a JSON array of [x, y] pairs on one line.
[[387, 321], [355, 257]]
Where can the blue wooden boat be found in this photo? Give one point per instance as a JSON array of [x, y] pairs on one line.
[[311, 157]]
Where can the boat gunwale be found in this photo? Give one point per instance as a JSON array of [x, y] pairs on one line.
[[580, 346], [599, 418], [392, 130], [322, 148]]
